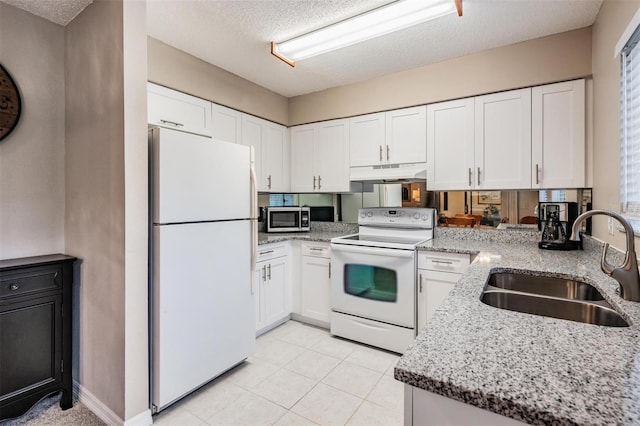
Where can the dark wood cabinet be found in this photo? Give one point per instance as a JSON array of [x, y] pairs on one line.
[[35, 331]]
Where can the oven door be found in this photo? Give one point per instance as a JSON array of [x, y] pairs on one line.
[[374, 283]]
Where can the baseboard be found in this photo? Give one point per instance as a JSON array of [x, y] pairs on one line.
[[311, 321], [105, 413]]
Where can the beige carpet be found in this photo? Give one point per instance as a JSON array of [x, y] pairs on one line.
[[48, 412]]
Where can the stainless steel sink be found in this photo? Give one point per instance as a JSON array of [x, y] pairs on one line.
[[562, 298], [567, 288]]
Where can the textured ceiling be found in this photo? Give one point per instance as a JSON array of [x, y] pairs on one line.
[[58, 11], [235, 34]]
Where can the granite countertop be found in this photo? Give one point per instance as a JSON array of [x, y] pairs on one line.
[[532, 368], [316, 236]]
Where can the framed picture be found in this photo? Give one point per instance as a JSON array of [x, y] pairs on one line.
[[489, 197]]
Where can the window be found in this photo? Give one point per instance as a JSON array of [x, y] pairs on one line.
[[630, 127]]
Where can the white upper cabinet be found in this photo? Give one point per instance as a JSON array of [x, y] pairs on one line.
[[450, 145], [303, 140], [226, 124], [558, 135], [176, 110], [406, 135], [503, 140], [367, 139], [271, 145], [392, 137], [275, 158], [320, 157]]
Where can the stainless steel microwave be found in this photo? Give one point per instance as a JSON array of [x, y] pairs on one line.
[[288, 219]]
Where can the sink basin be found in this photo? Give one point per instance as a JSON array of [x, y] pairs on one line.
[[562, 298], [567, 288]]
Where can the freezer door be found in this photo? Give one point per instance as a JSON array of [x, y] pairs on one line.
[[195, 178], [203, 316]]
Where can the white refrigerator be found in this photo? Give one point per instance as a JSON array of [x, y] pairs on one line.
[[203, 239]]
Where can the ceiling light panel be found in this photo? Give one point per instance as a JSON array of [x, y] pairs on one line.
[[384, 20]]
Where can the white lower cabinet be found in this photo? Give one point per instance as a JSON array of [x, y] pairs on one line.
[[315, 282], [438, 273], [272, 292], [427, 408]]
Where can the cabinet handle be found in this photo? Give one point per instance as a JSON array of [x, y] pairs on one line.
[[478, 176], [442, 262], [314, 183], [266, 252], [264, 273], [319, 182], [14, 287], [329, 269], [537, 174], [380, 152], [269, 184], [387, 152], [269, 272], [470, 176], [173, 123], [420, 283]]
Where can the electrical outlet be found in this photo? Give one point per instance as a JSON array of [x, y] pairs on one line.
[[610, 225]]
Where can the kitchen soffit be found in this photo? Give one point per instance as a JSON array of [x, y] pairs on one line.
[[235, 35]]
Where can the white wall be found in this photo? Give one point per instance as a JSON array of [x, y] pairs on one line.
[[32, 164]]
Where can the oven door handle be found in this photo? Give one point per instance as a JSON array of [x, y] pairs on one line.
[[373, 251]]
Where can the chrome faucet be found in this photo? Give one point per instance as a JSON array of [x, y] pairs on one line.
[[627, 273]]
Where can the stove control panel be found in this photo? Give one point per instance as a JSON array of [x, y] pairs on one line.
[[397, 217]]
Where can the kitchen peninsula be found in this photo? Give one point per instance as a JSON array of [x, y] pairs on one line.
[[531, 368]]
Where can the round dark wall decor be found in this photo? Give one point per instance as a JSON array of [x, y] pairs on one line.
[[10, 104]]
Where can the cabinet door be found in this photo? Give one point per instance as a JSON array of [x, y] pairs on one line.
[[367, 139], [450, 145], [315, 289], [503, 140], [31, 342], [276, 295], [177, 110], [303, 177], [275, 158], [331, 156], [253, 135], [406, 135], [558, 135], [226, 124], [259, 278], [433, 288]]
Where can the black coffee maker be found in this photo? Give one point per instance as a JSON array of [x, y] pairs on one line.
[[555, 220]]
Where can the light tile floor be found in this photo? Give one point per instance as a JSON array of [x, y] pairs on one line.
[[298, 375]]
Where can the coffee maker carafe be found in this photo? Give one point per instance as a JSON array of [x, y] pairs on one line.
[[555, 220]]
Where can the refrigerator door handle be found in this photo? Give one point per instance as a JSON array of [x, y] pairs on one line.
[[254, 217]]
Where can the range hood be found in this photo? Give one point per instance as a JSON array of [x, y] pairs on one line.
[[390, 173]]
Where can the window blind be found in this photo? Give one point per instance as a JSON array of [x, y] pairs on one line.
[[630, 127]]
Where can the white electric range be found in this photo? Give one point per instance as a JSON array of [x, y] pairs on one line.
[[373, 280]]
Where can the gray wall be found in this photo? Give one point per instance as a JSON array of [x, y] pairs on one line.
[[612, 20], [32, 157], [106, 171]]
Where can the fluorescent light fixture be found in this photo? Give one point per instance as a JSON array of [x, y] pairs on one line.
[[383, 20]]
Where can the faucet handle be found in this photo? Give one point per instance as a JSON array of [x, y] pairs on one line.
[[607, 268]]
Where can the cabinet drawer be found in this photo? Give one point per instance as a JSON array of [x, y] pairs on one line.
[[317, 250], [445, 262], [269, 251], [32, 281]]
